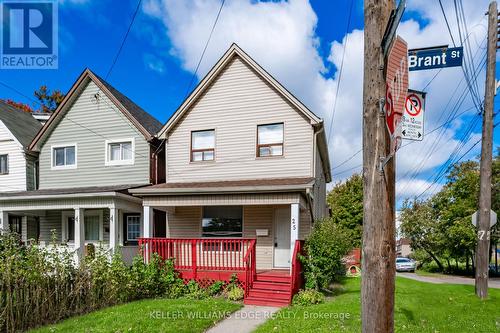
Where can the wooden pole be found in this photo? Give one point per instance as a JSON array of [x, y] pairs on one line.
[[483, 241], [378, 259]]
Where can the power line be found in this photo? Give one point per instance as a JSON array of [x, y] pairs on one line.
[[447, 24], [124, 39], [205, 48], [340, 71]]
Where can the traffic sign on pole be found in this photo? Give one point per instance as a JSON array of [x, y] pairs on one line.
[[396, 90], [493, 218], [412, 123]]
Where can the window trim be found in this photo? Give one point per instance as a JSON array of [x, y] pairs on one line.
[[7, 172], [64, 230], [63, 167], [109, 162], [242, 222], [191, 150], [126, 227], [64, 226], [258, 146]]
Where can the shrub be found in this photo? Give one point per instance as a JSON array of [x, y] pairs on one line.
[[234, 293], [308, 297], [194, 291], [216, 288], [325, 248], [42, 286]]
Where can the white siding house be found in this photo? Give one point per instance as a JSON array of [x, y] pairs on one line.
[[17, 129]]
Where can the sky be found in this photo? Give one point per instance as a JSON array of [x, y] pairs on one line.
[[303, 44]]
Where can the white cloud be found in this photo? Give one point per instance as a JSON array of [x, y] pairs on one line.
[[154, 63], [281, 36]]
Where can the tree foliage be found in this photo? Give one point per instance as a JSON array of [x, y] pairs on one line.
[[49, 100], [346, 204], [441, 225]]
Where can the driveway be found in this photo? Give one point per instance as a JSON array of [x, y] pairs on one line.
[[492, 283]]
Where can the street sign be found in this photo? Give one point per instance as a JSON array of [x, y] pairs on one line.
[[412, 123], [493, 218], [396, 90], [434, 57]]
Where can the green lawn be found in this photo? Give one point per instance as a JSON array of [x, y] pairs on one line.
[[157, 315], [420, 307]]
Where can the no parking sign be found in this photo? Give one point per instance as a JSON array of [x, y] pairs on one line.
[[412, 122]]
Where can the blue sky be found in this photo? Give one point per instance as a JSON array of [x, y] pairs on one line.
[[300, 43]]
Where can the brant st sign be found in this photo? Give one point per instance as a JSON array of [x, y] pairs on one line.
[[434, 57]]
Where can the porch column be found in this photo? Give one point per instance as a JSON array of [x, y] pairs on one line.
[[4, 221], [114, 215], [79, 231], [147, 222], [24, 229], [294, 229]]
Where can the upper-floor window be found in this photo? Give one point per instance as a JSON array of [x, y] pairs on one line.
[[270, 140], [64, 156], [120, 152], [202, 145], [4, 164]]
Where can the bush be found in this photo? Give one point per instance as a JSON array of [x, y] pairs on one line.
[[234, 293], [41, 286], [325, 249], [216, 288], [194, 291], [308, 297]]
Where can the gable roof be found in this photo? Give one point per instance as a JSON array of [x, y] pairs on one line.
[[232, 52], [143, 121], [20, 123], [224, 61]]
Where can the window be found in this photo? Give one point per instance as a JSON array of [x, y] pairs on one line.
[[119, 152], [4, 164], [91, 226], [270, 140], [70, 228], [15, 224], [203, 146], [63, 157], [222, 221], [133, 227]]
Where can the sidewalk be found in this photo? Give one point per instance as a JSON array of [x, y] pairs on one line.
[[244, 320], [492, 283]]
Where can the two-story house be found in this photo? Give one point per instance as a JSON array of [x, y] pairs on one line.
[[17, 163], [246, 172], [95, 146]]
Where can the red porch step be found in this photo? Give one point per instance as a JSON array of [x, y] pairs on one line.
[[270, 289]]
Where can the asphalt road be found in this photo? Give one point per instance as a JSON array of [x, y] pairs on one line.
[[492, 283]]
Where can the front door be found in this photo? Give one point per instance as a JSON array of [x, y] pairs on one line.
[[282, 237]]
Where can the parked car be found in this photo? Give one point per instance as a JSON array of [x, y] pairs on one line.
[[405, 265]]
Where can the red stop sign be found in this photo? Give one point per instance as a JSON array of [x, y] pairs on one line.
[[396, 89]]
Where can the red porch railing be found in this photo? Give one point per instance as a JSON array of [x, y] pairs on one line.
[[297, 273], [235, 255]]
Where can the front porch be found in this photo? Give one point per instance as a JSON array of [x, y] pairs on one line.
[[210, 260], [67, 222]]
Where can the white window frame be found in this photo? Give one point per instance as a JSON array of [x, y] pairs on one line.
[[99, 214], [64, 222], [109, 162], [63, 167], [126, 227], [7, 172]]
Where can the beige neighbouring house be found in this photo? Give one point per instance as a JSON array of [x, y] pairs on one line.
[[245, 159]]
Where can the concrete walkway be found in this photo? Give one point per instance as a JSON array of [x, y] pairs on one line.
[[244, 320], [439, 278]]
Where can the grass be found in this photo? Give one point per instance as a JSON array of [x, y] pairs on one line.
[[156, 315], [420, 307]]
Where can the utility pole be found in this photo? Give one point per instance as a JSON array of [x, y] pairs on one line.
[[378, 260], [483, 233]]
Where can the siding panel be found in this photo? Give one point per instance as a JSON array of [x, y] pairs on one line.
[[15, 180], [89, 125], [234, 105]]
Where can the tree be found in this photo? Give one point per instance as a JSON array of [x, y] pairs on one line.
[[49, 101], [346, 203], [18, 105]]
